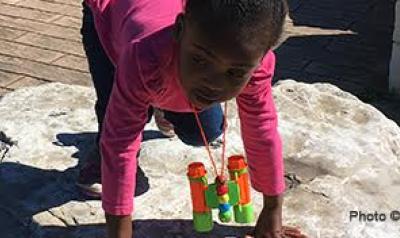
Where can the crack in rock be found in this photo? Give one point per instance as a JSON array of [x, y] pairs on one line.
[[7, 140], [61, 219], [57, 114], [292, 180], [5, 144], [317, 193]]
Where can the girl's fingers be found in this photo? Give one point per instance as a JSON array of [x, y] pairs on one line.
[[292, 232], [287, 232], [291, 229]]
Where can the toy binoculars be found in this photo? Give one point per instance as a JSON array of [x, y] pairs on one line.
[[234, 192]]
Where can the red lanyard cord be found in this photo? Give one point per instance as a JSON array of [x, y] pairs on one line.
[[224, 137], [203, 135]]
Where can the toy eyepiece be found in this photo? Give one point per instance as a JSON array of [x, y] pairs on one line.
[[196, 170]]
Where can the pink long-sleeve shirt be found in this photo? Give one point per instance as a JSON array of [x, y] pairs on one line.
[[137, 36]]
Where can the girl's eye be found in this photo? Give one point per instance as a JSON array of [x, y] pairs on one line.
[[236, 73], [199, 60]]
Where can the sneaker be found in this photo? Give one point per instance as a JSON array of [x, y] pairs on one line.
[[89, 180], [164, 126], [142, 182], [217, 143]]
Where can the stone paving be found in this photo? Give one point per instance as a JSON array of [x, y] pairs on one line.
[[344, 42]]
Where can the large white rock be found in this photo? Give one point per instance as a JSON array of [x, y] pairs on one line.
[[341, 155]]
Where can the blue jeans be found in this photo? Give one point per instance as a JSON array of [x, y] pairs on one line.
[[102, 72]]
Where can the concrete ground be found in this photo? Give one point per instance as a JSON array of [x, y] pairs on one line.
[[343, 42]]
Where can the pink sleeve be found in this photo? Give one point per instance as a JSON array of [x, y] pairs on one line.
[[259, 128], [125, 119]]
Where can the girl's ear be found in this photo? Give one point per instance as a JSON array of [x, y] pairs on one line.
[[179, 26]]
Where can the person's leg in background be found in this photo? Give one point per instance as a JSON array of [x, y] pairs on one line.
[[100, 66], [187, 130], [102, 74]]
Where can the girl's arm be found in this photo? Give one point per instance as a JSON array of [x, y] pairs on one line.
[[259, 127], [262, 142], [119, 226], [125, 119]]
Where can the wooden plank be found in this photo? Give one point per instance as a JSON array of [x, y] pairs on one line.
[[69, 61], [27, 13], [25, 82], [69, 22], [43, 71], [7, 78], [48, 42], [28, 52], [10, 34], [62, 9], [40, 28]]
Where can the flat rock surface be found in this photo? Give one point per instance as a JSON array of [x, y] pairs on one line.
[[340, 155]]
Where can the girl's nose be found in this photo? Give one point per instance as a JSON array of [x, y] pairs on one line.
[[214, 83]]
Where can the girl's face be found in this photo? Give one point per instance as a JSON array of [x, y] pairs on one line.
[[213, 67]]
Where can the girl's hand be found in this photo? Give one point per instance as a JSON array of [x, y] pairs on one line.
[[286, 232], [269, 223]]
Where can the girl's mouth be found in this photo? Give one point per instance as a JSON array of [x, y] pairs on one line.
[[201, 102]]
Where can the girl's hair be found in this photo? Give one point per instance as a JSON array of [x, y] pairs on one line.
[[258, 22]]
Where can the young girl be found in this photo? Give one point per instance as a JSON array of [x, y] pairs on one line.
[[173, 57]]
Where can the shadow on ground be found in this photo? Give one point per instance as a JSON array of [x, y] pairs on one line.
[[149, 228], [26, 191], [356, 60]]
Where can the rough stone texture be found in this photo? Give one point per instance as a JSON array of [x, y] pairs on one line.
[[340, 153]]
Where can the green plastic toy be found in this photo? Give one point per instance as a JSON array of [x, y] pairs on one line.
[[231, 197]]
